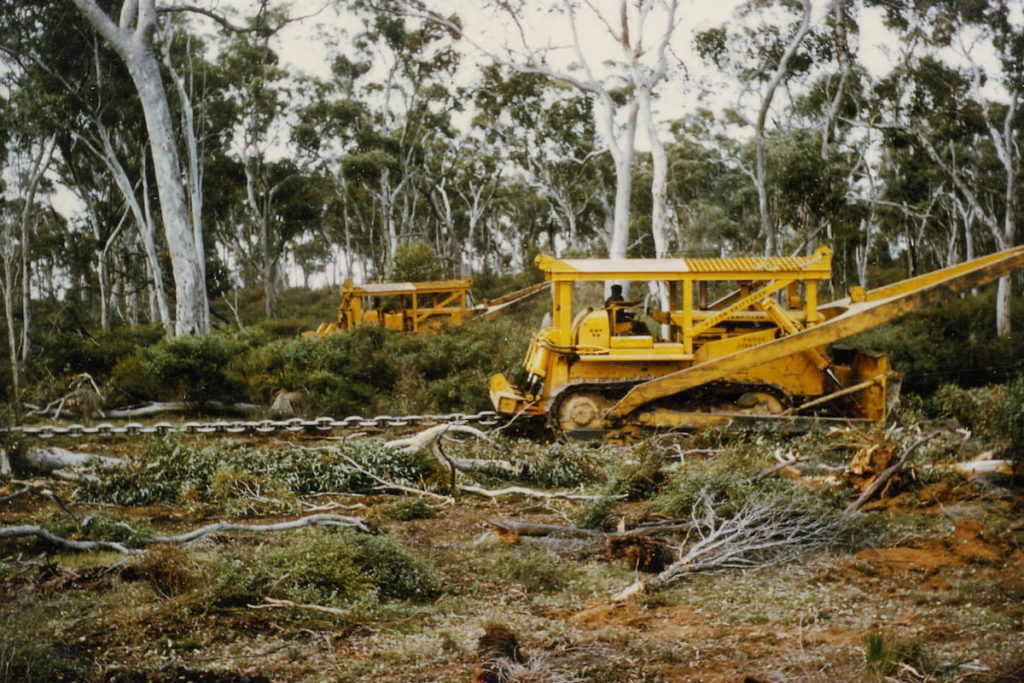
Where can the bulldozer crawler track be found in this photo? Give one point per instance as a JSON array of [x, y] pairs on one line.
[[615, 389]]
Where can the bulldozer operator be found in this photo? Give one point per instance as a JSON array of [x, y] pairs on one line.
[[623, 321]]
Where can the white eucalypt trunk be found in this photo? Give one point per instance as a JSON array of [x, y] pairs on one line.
[[132, 40]]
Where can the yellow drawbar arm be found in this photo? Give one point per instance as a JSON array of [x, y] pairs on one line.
[[866, 310]]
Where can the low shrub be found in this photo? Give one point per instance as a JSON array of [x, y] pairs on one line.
[[995, 412], [406, 509], [883, 655], [324, 567], [193, 368], [66, 353], [169, 570], [569, 464], [535, 569], [596, 514], [131, 381], [637, 478]]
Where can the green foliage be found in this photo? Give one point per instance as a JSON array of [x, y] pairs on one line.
[[953, 342], [365, 371], [406, 509], [569, 464], [728, 479], [64, 353], [323, 567], [173, 470], [192, 368], [636, 479], [596, 514], [995, 413], [415, 262], [883, 654], [131, 380], [30, 650], [536, 569], [371, 370]]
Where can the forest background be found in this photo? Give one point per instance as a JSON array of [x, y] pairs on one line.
[[167, 172]]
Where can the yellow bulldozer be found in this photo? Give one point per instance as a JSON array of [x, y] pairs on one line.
[[742, 339], [421, 307]]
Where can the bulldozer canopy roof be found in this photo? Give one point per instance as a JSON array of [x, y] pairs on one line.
[[386, 288], [816, 266]]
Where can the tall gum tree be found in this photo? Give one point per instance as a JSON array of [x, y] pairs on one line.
[[977, 100], [132, 38], [82, 101], [641, 29], [763, 59]]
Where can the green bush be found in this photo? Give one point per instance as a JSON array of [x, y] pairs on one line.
[[73, 353], [953, 342], [193, 368], [569, 464], [537, 570], [596, 514], [323, 567], [406, 509], [415, 262], [372, 370], [636, 479], [365, 371], [131, 380], [995, 413]]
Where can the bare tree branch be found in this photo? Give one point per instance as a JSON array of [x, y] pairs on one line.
[[266, 30], [761, 534], [27, 531]]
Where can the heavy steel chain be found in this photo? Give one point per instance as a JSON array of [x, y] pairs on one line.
[[320, 425]]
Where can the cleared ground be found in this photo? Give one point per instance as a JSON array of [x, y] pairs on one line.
[[931, 589]]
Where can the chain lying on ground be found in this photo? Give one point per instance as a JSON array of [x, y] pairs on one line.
[[320, 425]]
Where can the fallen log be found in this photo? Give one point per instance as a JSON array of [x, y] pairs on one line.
[[160, 408], [26, 531], [523, 491], [311, 520], [30, 530], [534, 529], [482, 465], [58, 462], [509, 528], [273, 603], [430, 438], [54, 458]]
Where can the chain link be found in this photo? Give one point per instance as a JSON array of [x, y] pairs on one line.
[[321, 425]]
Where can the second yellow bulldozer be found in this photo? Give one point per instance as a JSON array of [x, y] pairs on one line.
[[420, 307]]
